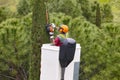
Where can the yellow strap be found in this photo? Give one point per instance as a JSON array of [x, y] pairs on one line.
[[62, 35]]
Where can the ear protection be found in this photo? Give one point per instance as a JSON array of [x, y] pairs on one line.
[[51, 29], [61, 29]]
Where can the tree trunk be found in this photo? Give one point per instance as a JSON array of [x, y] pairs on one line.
[[39, 36], [98, 15]]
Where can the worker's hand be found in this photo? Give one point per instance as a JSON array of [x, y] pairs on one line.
[[53, 41], [57, 28]]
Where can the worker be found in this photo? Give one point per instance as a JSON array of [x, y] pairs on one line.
[[50, 30], [67, 48], [58, 41], [63, 29]]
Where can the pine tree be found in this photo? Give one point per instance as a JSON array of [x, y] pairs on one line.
[[23, 7], [15, 48], [98, 16], [39, 36]]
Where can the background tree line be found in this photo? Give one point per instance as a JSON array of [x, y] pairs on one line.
[[91, 24]]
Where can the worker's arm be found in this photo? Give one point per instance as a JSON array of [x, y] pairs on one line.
[[56, 41]]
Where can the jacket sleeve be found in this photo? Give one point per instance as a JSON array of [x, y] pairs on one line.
[[57, 41]]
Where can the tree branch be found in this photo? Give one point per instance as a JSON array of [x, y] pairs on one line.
[[7, 76]]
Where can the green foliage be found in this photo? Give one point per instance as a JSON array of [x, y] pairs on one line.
[[5, 13], [100, 54], [90, 11], [98, 16], [85, 7], [39, 36], [15, 47], [106, 13], [100, 50], [60, 18], [65, 6], [23, 7]]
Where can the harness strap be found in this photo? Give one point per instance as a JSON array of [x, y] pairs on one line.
[[62, 37]]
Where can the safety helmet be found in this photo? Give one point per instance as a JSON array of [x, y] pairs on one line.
[[63, 28], [50, 27]]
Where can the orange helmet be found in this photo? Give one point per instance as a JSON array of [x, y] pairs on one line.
[[63, 28]]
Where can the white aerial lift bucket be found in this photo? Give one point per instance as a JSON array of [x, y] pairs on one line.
[[50, 66]]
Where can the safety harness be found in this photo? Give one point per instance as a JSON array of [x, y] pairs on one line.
[[66, 54]]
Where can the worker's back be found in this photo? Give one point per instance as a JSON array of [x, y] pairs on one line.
[[67, 50]]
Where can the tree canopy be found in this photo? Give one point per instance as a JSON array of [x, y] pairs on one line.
[[94, 24]]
